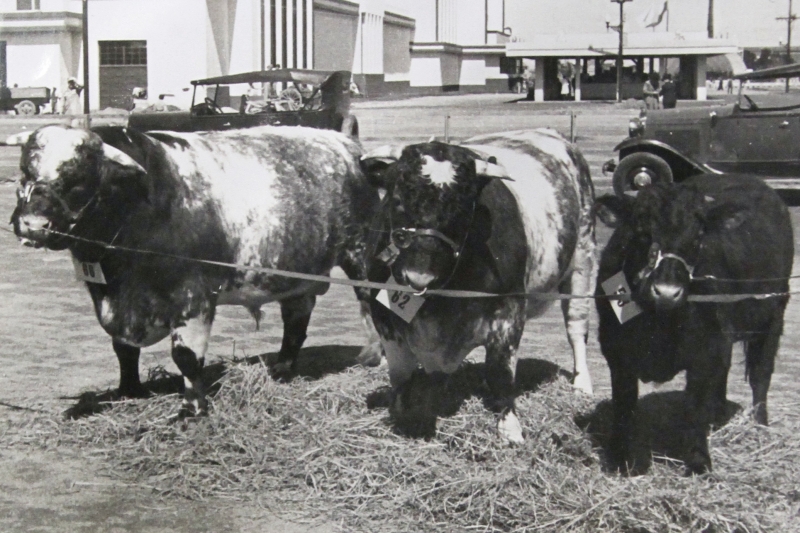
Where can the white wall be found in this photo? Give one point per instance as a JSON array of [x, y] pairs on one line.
[[175, 35], [34, 65], [471, 22]]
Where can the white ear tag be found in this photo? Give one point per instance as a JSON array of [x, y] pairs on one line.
[[403, 304], [91, 272], [618, 285]]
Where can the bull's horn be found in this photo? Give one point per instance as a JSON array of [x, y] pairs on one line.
[[18, 139], [491, 170], [387, 151], [120, 157]]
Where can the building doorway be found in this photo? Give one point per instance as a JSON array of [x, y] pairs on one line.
[[123, 66]]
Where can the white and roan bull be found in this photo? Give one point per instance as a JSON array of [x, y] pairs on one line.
[[284, 198], [446, 222]]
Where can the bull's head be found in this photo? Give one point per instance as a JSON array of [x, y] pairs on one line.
[[64, 170], [665, 231], [428, 212]]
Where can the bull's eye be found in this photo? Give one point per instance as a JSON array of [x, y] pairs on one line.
[[652, 254], [402, 237]]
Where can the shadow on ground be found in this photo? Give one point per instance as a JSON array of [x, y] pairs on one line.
[[313, 363], [425, 397], [658, 429]]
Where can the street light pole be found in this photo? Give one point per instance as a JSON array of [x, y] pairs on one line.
[[619, 51], [789, 20]]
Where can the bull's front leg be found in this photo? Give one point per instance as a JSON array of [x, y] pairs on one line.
[[296, 314], [703, 383], [189, 336], [624, 397], [501, 367], [415, 395], [129, 384]]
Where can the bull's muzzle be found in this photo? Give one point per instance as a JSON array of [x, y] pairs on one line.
[[32, 230], [667, 296]]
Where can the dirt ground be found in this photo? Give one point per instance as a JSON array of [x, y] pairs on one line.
[[53, 349]]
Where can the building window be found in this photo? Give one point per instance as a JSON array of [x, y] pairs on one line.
[[117, 53], [28, 5]]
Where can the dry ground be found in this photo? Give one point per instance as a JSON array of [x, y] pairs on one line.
[[53, 349]]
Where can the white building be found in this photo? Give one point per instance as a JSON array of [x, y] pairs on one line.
[[425, 46]]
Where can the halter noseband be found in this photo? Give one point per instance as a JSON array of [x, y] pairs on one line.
[[402, 237]]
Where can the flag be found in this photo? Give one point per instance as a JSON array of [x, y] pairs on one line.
[[655, 14]]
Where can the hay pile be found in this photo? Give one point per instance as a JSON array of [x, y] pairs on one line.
[[312, 451]]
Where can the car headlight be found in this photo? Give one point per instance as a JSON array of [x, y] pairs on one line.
[[636, 126]]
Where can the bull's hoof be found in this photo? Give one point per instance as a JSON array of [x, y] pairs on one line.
[[189, 411], [282, 371], [509, 428], [370, 355], [698, 462], [134, 391], [582, 383], [380, 398], [415, 426]]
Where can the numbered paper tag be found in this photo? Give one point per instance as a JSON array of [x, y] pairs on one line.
[[90, 272], [403, 304], [618, 285]]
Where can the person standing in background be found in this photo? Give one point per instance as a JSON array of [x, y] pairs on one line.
[[669, 93], [650, 91], [71, 99]]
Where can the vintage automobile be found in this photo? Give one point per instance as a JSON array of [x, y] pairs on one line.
[[285, 97], [756, 135], [25, 100]]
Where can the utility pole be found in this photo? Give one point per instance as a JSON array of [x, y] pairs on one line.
[[789, 20], [86, 60], [619, 51]]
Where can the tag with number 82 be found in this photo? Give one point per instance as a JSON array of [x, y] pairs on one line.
[[403, 304]]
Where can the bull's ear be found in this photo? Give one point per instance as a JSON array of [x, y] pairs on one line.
[[721, 217], [613, 210], [375, 163]]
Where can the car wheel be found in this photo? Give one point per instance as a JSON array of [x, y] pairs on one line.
[[350, 127], [26, 107], [639, 170]]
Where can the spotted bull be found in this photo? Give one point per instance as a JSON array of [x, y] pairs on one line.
[[282, 198], [709, 237], [508, 213]]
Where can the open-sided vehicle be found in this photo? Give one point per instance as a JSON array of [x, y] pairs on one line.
[[278, 97], [758, 135]]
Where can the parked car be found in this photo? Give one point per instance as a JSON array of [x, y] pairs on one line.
[[756, 135], [26, 100], [285, 97]]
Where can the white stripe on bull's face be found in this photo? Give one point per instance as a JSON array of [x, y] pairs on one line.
[[441, 173], [58, 145]]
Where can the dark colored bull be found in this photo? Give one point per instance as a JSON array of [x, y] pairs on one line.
[[675, 243], [286, 198], [508, 213]]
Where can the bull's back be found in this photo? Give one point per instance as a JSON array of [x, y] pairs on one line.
[[760, 245], [276, 190], [553, 194]]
